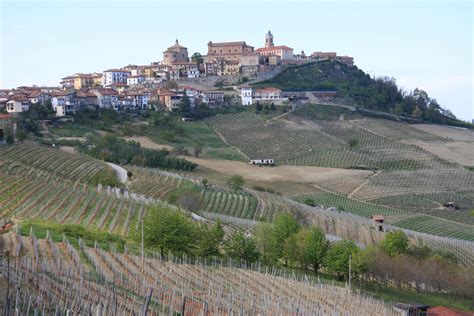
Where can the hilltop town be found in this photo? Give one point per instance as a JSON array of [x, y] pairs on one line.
[[135, 87]]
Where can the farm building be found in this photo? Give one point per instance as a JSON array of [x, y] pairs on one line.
[[378, 221], [412, 309], [262, 162]]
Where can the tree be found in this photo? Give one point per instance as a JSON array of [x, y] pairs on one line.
[[21, 135], [205, 183], [236, 182], [395, 243], [9, 138], [284, 226], [167, 230], [197, 58], [184, 106], [337, 258], [210, 241], [241, 247], [129, 174], [172, 84], [197, 150], [291, 252], [265, 242], [272, 106], [314, 246], [258, 107], [353, 143], [190, 200], [310, 202]]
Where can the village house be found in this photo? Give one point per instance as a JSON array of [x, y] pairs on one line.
[[115, 76], [249, 64], [324, 56], [135, 79], [86, 98], [63, 103], [170, 99], [348, 60], [231, 68], [37, 96], [212, 98], [107, 98], [120, 87], [267, 94], [18, 104], [246, 95], [140, 99]]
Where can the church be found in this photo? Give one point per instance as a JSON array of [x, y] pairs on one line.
[[284, 53]]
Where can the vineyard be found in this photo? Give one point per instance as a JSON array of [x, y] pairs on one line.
[[396, 216], [67, 202], [59, 277], [49, 160], [321, 143], [153, 183]]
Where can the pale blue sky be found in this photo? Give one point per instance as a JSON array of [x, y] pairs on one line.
[[420, 43]]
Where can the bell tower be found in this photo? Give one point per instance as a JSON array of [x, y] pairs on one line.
[[269, 39]]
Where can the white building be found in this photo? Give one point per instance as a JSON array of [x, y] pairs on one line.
[[246, 95], [192, 72], [134, 80], [63, 103], [18, 104], [140, 99], [115, 76]]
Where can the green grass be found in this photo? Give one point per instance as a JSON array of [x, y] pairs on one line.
[[73, 233], [69, 130], [426, 298]]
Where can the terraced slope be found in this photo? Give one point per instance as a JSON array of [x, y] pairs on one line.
[[65, 165]]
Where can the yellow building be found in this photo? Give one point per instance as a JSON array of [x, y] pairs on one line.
[[232, 68]]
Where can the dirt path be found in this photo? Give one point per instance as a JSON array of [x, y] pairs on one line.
[[225, 141], [303, 174], [350, 195], [121, 172]]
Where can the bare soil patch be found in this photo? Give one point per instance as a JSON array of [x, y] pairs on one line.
[[457, 151], [305, 174], [145, 142], [447, 132]]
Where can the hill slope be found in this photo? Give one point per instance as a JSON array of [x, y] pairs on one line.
[[381, 94]]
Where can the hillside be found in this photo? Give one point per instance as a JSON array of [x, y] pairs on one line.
[[381, 94]]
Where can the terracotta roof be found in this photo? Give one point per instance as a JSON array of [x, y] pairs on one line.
[[18, 98], [228, 43], [378, 217], [269, 89], [35, 94], [116, 70], [269, 49], [5, 116], [176, 45]]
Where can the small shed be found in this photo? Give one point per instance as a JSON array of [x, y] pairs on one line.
[[378, 221], [412, 309]]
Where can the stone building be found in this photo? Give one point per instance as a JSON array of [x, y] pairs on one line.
[[284, 52], [229, 51], [175, 53]]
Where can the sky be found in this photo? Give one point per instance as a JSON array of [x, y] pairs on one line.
[[424, 44]]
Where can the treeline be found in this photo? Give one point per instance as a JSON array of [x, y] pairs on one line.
[[113, 149], [379, 94], [392, 263]]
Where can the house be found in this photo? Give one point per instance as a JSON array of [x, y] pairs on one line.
[[111, 76], [378, 221], [140, 99], [170, 100], [246, 95], [107, 98], [18, 104], [348, 60], [231, 68], [324, 55], [249, 64], [37, 96], [212, 98], [120, 87], [412, 309], [135, 79], [63, 103], [67, 82], [267, 94], [86, 98]]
